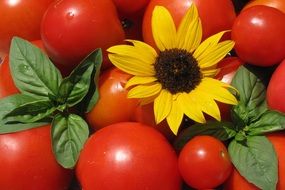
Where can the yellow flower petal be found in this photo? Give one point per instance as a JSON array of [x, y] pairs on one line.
[[189, 33], [163, 28], [175, 117], [216, 54], [210, 72], [218, 90], [189, 105], [208, 105], [136, 80], [132, 65], [146, 50], [207, 44], [162, 105], [144, 91]]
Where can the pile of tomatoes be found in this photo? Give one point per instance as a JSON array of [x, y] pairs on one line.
[[127, 150]]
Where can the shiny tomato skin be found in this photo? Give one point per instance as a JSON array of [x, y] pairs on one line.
[[216, 15], [259, 37], [276, 89], [20, 18], [72, 29], [113, 105], [237, 182], [128, 156], [27, 162], [278, 4], [130, 7], [204, 162]]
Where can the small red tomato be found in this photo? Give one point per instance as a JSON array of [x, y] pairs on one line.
[[113, 105], [20, 18], [276, 89], [259, 37], [204, 162], [72, 29], [27, 162], [128, 156]]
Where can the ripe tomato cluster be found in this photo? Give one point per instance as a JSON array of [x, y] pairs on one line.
[[127, 150]]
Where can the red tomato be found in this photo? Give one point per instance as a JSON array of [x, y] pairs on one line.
[[216, 15], [278, 4], [129, 156], [237, 182], [204, 162], [113, 105], [7, 86], [130, 7], [259, 35], [276, 89], [27, 162], [71, 29], [20, 18]]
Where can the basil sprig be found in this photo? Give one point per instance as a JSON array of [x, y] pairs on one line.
[[45, 97], [251, 152]]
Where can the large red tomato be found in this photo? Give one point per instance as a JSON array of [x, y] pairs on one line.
[[204, 162], [27, 162], [20, 18], [259, 37], [128, 156], [71, 29], [113, 105], [278, 4], [276, 89], [216, 15], [237, 182]]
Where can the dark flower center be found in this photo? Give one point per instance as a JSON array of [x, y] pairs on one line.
[[177, 70]]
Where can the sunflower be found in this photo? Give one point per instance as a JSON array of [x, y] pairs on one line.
[[178, 77]]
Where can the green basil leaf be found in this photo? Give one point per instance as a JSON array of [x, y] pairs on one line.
[[251, 84], [220, 130], [30, 112], [10, 103], [69, 133], [258, 166], [93, 94], [32, 71], [75, 87], [16, 127], [269, 121]]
